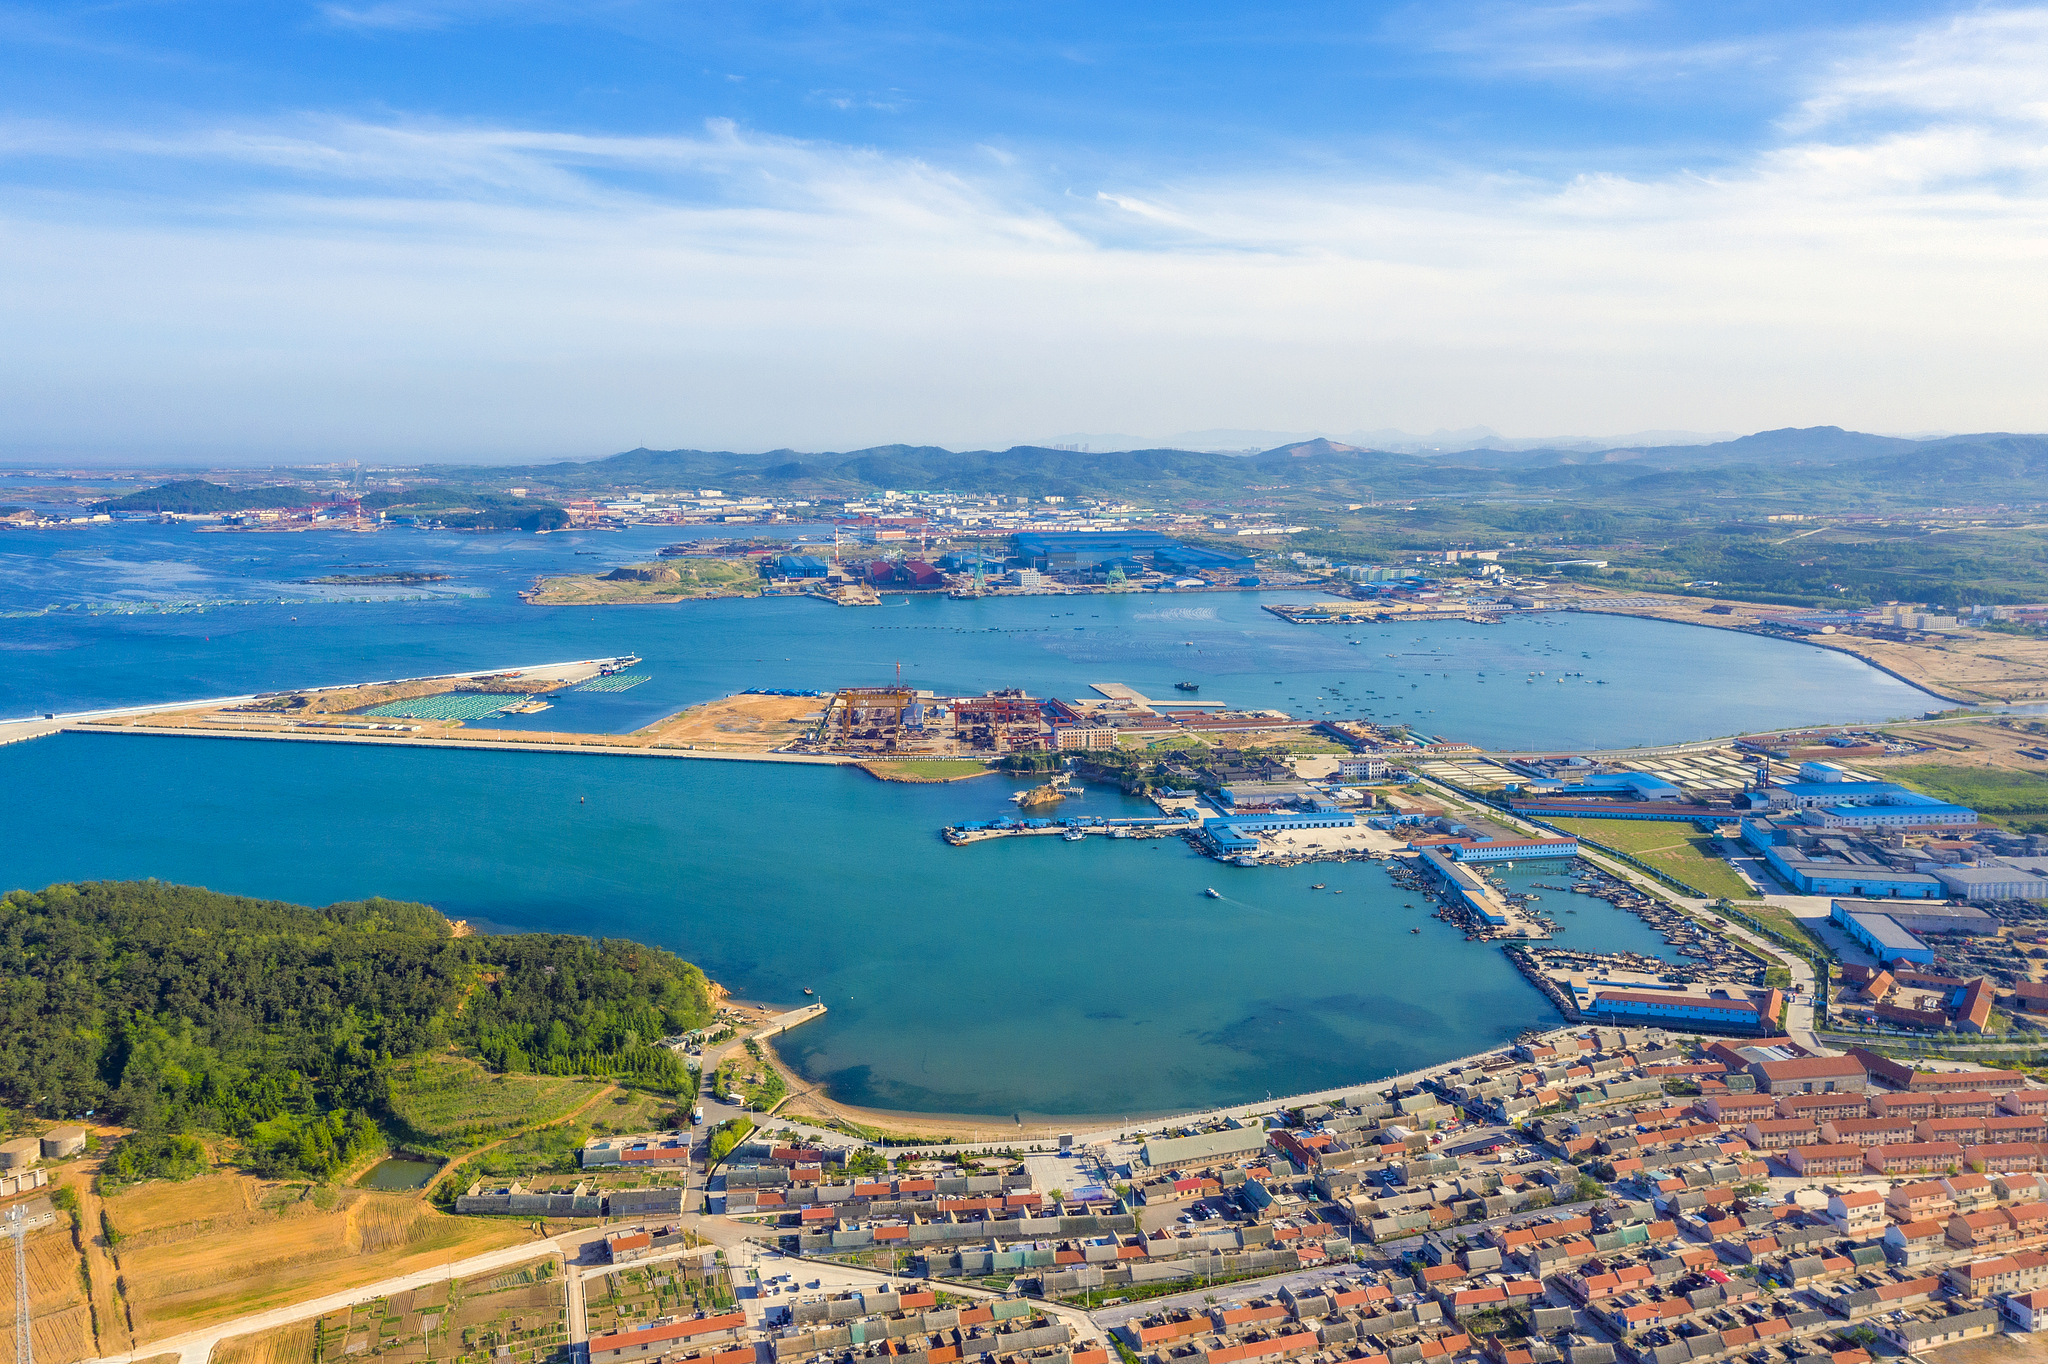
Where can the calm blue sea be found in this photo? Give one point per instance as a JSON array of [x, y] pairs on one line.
[[1018, 975]]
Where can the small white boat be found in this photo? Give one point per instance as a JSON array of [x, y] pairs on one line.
[[1213, 893]]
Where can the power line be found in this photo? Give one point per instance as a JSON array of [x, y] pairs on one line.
[[17, 1227]]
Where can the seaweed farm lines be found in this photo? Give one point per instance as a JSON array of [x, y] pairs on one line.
[[454, 705], [193, 606], [615, 682]]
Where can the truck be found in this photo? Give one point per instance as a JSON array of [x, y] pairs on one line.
[[696, 1115]]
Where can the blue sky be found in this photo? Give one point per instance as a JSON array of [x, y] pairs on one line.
[[504, 230]]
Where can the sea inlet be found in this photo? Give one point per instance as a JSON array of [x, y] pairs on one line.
[[1024, 975]]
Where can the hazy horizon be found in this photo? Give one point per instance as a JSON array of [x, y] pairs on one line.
[[1413, 444]]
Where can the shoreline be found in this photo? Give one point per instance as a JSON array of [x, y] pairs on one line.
[[992, 1129], [486, 745], [1590, 606]]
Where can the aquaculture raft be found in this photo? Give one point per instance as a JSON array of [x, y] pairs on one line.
[[454, 705], [615, 682]]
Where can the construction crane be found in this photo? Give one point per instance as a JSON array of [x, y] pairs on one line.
[[17, 1227]]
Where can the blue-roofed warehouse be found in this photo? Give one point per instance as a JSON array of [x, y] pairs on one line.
[[1084, 551], [799, 566]]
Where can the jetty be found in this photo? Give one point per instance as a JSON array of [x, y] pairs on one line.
[[1075, 829]]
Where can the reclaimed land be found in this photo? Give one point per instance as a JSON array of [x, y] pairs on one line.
[[671, 580], [733, 726], [1970, 667], [1671, 846]]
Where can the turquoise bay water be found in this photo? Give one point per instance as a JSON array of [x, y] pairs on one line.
[[1020, 974], [1030, 975]]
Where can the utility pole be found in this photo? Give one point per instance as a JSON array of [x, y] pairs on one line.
[[17, 1227]]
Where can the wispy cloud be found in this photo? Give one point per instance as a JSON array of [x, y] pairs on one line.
[[386, 17], [1990, 64], [725, 286], [1597, 39]]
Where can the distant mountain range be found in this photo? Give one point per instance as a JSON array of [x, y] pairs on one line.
[[1239, 441], [1823, 462]]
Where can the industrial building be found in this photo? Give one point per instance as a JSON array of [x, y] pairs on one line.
[[1834, 801], [1715, 1011], [1512, 849], [1816, 862], [1631, 785], [1239, 834], [1922, 918], [1090, 553], [1204, 1148]]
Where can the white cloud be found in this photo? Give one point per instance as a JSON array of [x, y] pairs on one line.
[[412, 288], [1990, 64]]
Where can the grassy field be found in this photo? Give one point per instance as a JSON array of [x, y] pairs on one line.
[[223, 1245], [553, 1149], [748, 1073], [450, 1104], [667, 581], [2017, 800], [1783, 921], [1671, 846]]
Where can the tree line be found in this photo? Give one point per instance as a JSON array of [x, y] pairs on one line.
[[179, 1011]]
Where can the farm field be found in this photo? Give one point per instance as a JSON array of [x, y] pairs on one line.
[[628, 1296], [223, 1245], [1670, 846], [60, 1321], [450, 1104], [518, 1310]]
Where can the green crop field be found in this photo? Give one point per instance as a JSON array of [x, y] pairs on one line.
[[2017, 800], [1672, 846], [452, 1104]]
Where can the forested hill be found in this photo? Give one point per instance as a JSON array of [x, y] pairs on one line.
[[176, 1009], [197, 497], [1824, 465]]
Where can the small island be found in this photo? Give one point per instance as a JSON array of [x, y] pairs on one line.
[[650, 584], [364, 579]]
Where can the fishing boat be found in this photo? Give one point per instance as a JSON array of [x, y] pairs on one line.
[[1073, 835], [1317, 886], [808, 990], [1414, 930], [1213, 893]]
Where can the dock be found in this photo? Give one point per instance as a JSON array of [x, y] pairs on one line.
[[1077, 828], [1117, 691], [1479, 896]]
